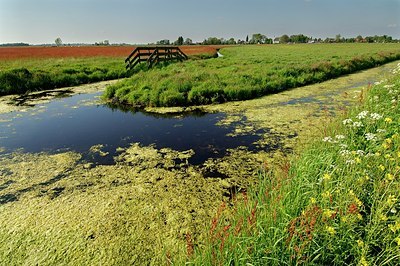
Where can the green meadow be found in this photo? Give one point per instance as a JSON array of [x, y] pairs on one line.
[[246, 72], [26, 75]]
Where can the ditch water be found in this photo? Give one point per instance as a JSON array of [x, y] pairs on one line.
[[71, 123]]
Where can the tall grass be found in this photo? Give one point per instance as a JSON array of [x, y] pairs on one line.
[[21, 76], [338, 203], [248, 72]]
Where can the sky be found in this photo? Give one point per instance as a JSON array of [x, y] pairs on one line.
[[146, 21]]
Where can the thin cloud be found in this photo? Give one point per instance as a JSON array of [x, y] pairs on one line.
[[392, 26]]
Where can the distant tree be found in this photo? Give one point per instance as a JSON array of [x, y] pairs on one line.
[[359, 38], [164, 42], [212, 41], [58, 41], [106, 42], [258, 38], [188, 41], [284, 39], [299, 38], [179, 41], [338, 38], [247, 39], [231, 41]]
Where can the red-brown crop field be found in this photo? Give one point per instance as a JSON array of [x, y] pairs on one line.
[[12, 53]]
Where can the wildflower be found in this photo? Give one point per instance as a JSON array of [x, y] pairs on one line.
[[388, 120], [394, 227], [391, 200], [343, 146], [359, 216], [370, 136], [381, 167], [327, 177], [357, 124], [340, 137], [327, 139], [362, 115], [326, 194], [388, 156], [330, 230], [328, 213], [350, 162], [381, 130], [343, 219], [397, 240], [377, 154], [388, 86], [313, 200], [360, 152], [376, 116], [385, 146], [389, 177], [360, 243], [363, 261], [398, 154], [358, 160], [344, 152], [347, 121], [383, 217]]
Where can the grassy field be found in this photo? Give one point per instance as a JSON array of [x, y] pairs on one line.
[[247, 72], [338, 203], [24, 69]]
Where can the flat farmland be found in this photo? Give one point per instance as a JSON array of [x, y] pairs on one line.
[[24, 69], [17, 53]]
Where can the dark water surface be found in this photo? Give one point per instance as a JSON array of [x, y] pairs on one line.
[[66, 124]]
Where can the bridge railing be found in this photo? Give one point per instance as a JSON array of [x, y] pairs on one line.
[[153, 55]]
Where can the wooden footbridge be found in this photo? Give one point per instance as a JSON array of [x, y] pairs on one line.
[[153, 55]]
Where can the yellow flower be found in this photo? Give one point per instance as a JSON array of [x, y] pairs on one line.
[[343, 219], [385, 146], [377, 154], [398, 154], [388, 120], [363, 261], [390, 177], [397, 239], [358, 202], [381, 167], [391, 200], [383, 217], [358, 160], [326, 177], [313, 200], [388, 141], [359, 216], [394, 227], [360, 243], [326, 194], [330, 230], [328, 213]]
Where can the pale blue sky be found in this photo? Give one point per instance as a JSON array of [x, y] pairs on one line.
[[143, 21]]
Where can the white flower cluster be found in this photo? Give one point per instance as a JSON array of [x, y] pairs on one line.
[[397, 69], [362, 115], [376, 116], [370, 137], [333, 140]]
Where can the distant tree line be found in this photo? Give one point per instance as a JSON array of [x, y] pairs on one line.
[[258, 38], [15, 44]]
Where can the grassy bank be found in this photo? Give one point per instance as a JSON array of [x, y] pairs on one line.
[[337, 203], [248, 72], [20, 76]]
